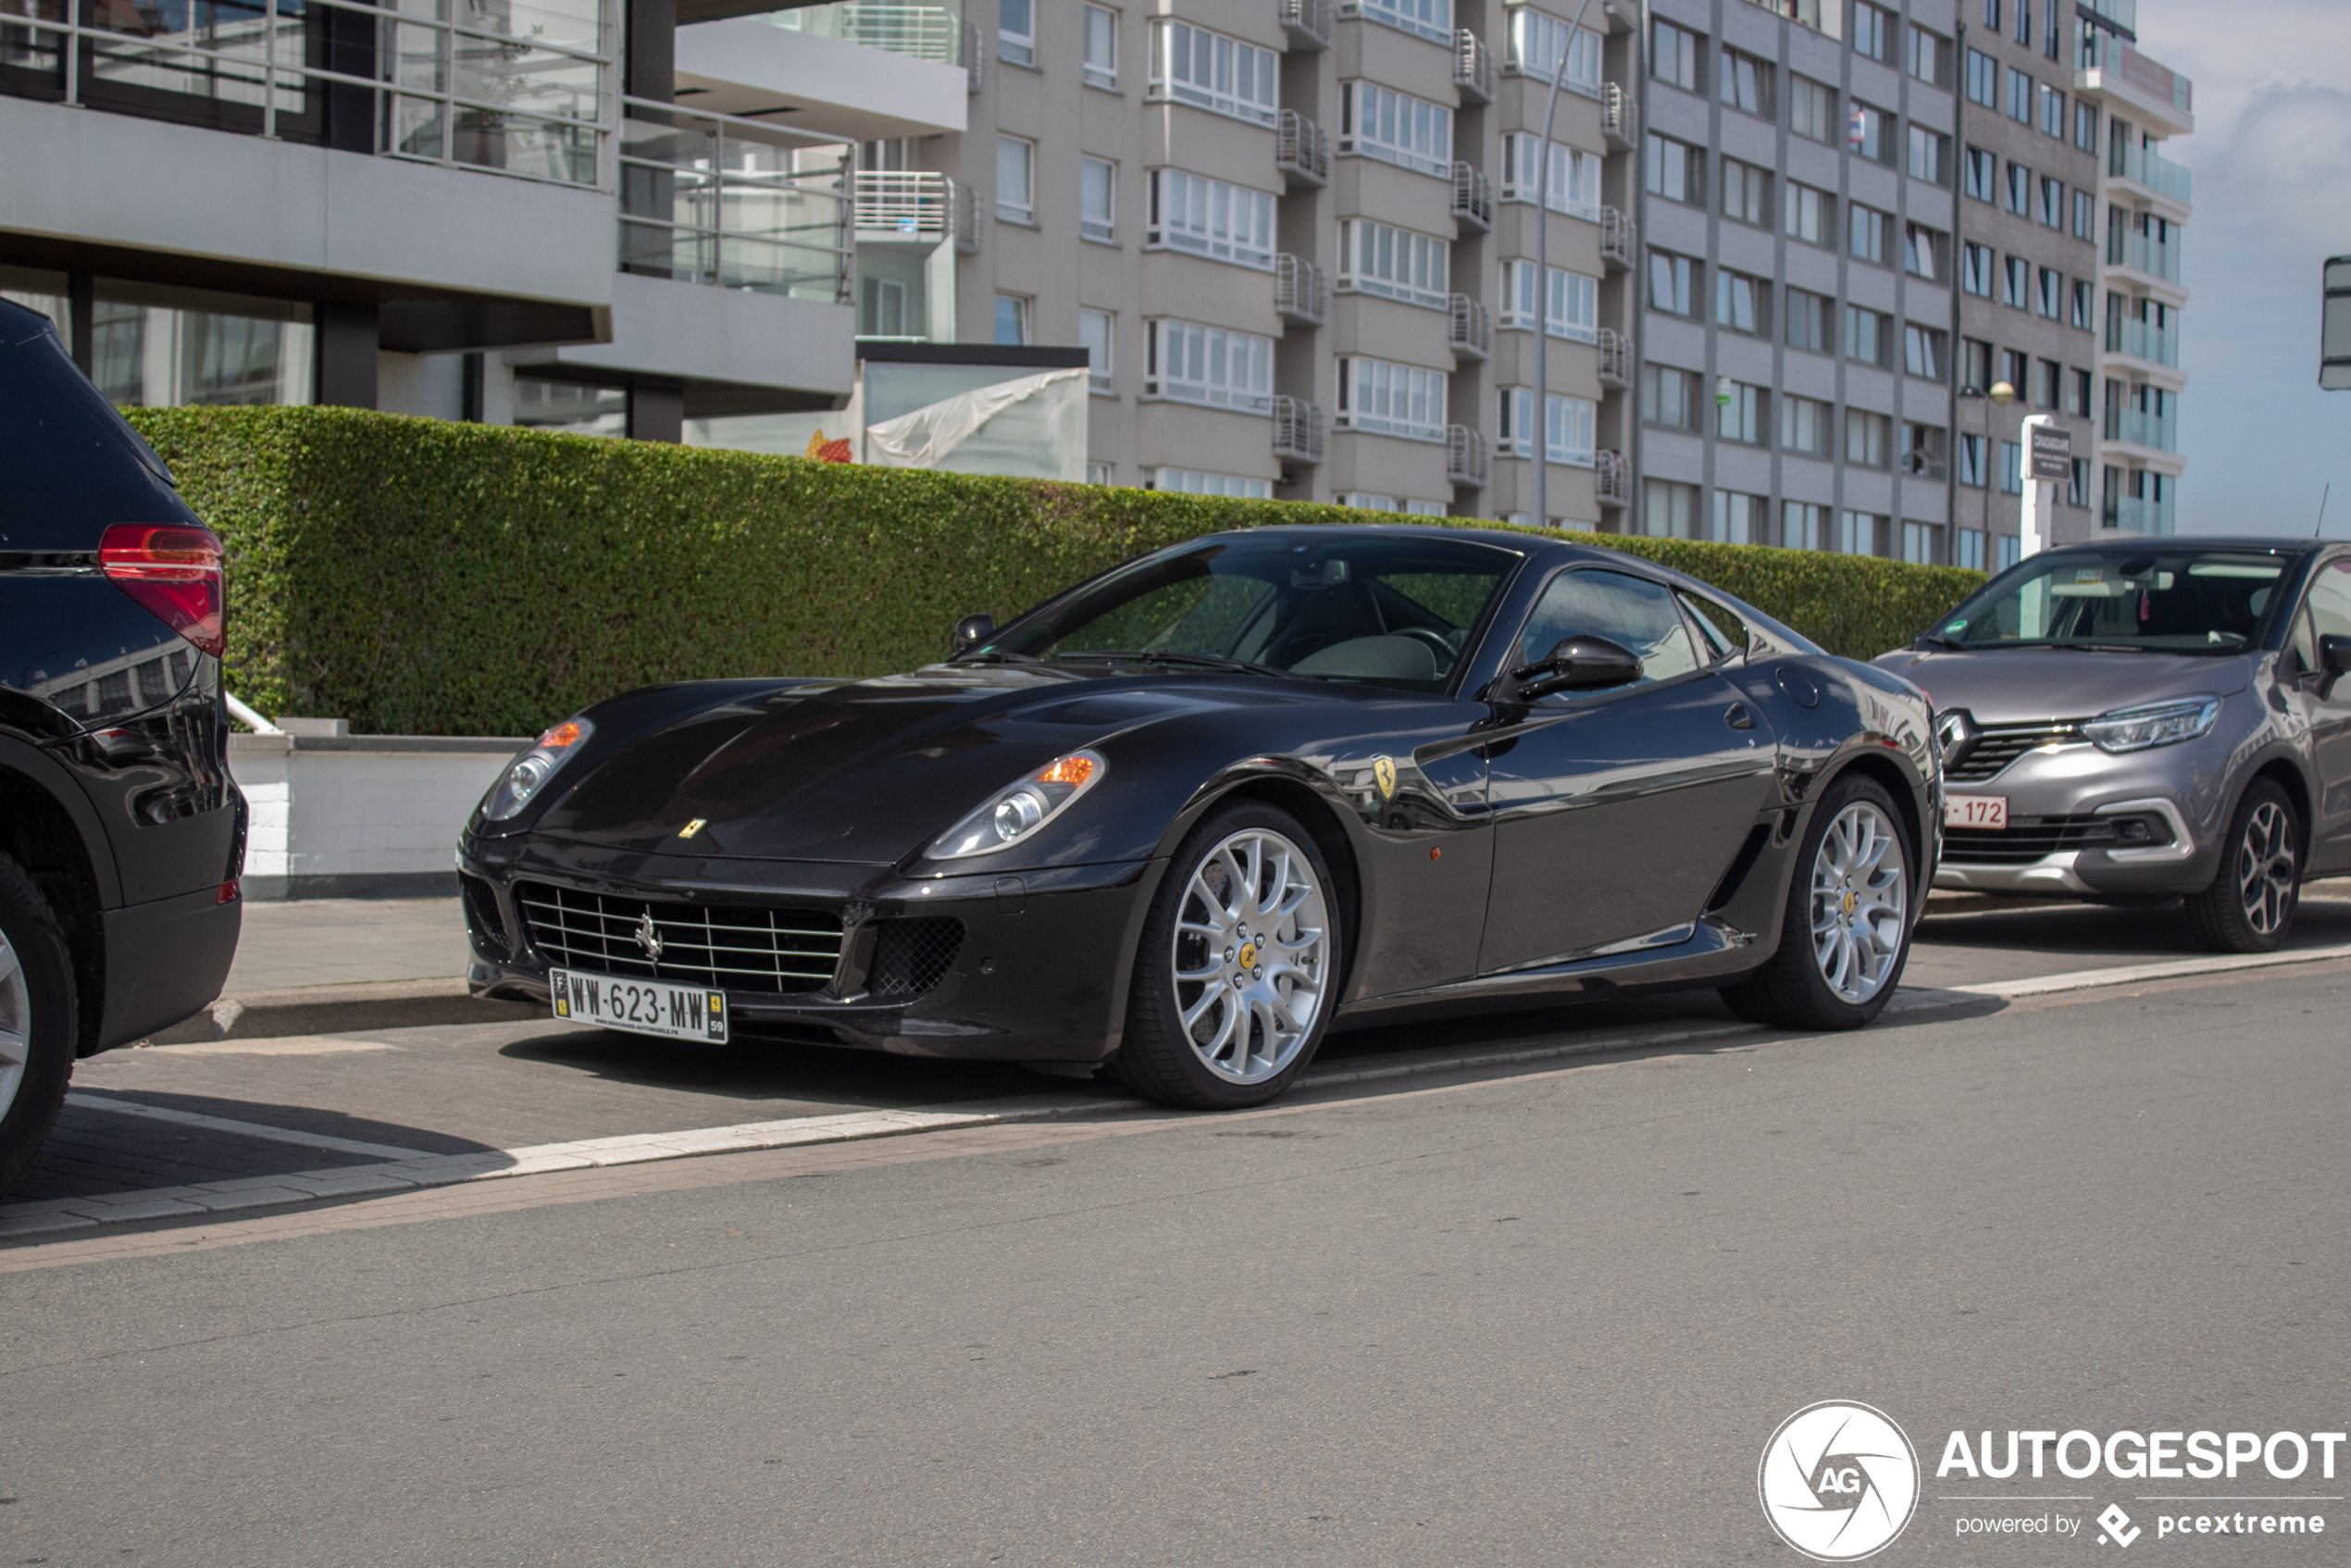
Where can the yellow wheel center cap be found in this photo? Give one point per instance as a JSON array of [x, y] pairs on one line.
[[1850, 901], [1248, 955]]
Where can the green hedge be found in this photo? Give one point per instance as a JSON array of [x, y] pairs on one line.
[[420, 577]]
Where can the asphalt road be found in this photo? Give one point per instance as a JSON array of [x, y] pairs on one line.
[[1546, 1315]]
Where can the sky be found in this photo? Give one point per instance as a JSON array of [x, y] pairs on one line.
[[2271, 153]]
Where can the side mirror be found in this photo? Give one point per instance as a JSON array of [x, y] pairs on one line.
[[973, 630], [2334, 661], [1581, 663]]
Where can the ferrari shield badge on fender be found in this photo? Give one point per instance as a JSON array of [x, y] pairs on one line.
[[1384, 775]]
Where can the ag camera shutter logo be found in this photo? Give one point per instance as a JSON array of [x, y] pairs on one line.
[[1838, 1481]]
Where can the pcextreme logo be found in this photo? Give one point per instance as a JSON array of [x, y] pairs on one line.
[[1838, 1481]]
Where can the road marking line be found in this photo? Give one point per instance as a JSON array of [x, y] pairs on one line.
[[2085, 979], [277, 1045], [85, 1100]]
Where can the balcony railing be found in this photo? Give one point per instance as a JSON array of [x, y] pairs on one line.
[[2144, 166], [1308, 23], [2142, 513], [1472, 331], [1473, 196], [2142, 253], [923, 32], [1302, 151], [2102, 51], [1616, 359], [2143, 340], [1620, 117], [1422, 19], [1619, 240], [708, 198], [2136, 428], [1302, 291], [1612, 479], [1473, 68], [1300, 433], [1469, 458]]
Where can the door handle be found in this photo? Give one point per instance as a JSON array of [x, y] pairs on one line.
[[1738, 717]]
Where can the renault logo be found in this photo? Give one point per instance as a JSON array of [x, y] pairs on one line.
[[1956, 733], [647, 937]]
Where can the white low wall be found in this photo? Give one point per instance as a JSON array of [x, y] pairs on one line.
[[343, 815]]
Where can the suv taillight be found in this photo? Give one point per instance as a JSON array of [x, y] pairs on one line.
[[173, 571]]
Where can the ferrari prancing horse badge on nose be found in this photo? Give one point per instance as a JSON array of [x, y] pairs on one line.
[[1384, 775]]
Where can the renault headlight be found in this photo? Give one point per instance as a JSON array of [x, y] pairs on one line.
[[1016, 812], [2154, 724], [521, 782]]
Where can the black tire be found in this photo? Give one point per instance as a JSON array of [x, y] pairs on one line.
[[1164, 1060], [2249, 907], [36, 1021], [1792, 989]]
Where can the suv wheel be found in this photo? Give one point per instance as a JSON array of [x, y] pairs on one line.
[[2249, 907], [36, 1021]]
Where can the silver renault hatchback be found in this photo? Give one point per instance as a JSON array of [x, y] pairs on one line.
[[2149, 719]]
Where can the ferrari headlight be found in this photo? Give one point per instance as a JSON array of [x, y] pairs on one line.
[[521, 782], [1022, 808], [2155, 723]]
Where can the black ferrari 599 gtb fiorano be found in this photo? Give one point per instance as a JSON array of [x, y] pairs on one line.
[[1186, 817]]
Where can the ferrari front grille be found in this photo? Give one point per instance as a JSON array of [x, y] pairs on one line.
[[1998, 747], [734, 948]]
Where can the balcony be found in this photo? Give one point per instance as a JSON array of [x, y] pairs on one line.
[[2143, 254], [1616, 360], [713, 199], [1473, 68], [1612, 479], [1471, 330], [1620, 117], [915, 205], [1473, 197], [1300, 433], [2132, 426], [1302, 291], [1308, 24], [2144, 166], [1301, 152], [1619, 240], [2143, 340], [2111, 68], [1419, 18], [2146, 514], [1468, 457], [924, 32]]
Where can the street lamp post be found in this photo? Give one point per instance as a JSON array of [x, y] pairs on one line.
[[1538, 401]]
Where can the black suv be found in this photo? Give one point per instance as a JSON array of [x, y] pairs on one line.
[[120, 831]]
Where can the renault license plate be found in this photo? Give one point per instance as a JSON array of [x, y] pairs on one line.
[[644, 1007], [1975, 811]]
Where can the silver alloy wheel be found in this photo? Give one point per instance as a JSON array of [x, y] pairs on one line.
[[1251, 955], [1860, 902], [2265, 868], [15, 1023]]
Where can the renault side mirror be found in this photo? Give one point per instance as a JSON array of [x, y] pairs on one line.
[[973, 630], [1582, 663], [2334, 661]]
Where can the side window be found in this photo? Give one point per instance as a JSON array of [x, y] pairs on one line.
[[2330, 610], [1724, 632], [1630, 610]]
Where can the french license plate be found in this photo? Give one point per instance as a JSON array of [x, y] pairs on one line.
[[1975, 811], [644, 1007]]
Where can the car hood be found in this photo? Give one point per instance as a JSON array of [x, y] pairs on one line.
[[869, 771], [2020, 685]]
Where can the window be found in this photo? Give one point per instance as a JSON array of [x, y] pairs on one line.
[[2011, 550], [1930, 57], [1210, 72], [1807, 321], [1376, 258], [1428, 19], [1191, 212], [1395, 128], [1972, 461], [1982, 174], [2052, 106], [1016, 31], [2077, 482], [2052, 212], [2020, 190], [1568, 428], [1572, 306], [1870, 133], [1669, 510], [1011, 318], [1804, 426], [1635, 613], [1803, 525], [1923, 351], [1669, 397], [1992, 15], [1532, 44], [1926, 253], [1573, 187], [1674, 169], [1808, 214], [2084, 390], [1015, 160], [1975, 365], [2082, 303], [1190, 363], [1747, 193], [1868, 334], [1921, 543], [1674, 55], [2048, 384], [2012, 468], [1872, 30], [1738, 519], [1857, 532], [1397, 400], [2085, 126], [1102, 47], [1923, 452], [1975, 269], [1191, 482], [2049, 299], [1099, 473], [2086, 215], [1744, 82], [1866, 232], [1671, 282], [1741, 419], [1098, 199], [2016, 368], [1811, 109], [1742, 304], [1094, 336], [1970, 551], [2016, 284], [1930, 155], [2020, 97], [1983, 79]]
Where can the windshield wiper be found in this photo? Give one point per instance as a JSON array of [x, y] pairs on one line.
[[995, 656], [1175, 656], [1936, 640]]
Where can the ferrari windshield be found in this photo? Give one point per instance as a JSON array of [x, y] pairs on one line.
[[2130, 598], [1388, 610]]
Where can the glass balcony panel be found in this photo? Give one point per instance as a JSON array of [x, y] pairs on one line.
[[922, 33], [542, 149], [526, 81], [416, 127], [416, 57], [563, 24]]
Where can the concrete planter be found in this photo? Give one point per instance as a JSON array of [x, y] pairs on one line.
[[360, 816]]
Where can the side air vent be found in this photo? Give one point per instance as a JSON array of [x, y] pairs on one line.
[[911, 956]]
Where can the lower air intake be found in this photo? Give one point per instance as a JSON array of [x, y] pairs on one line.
[[911, 956]]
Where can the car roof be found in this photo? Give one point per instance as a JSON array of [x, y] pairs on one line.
[[1522, 543], [2293, 546]]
